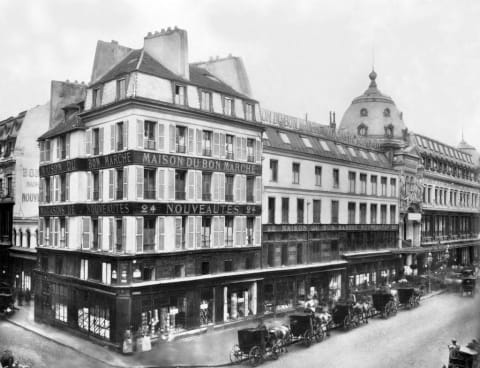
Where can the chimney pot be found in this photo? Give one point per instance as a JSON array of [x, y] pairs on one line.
[[169, 29], [230, 55], [149, 34], [176, 28]]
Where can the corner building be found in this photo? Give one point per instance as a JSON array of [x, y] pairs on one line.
[[151, 196], [330, 213]]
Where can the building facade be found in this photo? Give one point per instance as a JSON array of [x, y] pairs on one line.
[[330, 213], [151, 196], [439, 184]]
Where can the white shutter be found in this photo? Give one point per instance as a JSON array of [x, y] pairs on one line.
[[198, 231], [171, 137], [223, 150], [139, 234], [199, 142], [161, 233], [243, 188], [238, 148], [244, 230], [178, 233], [221, 231], [161, 183], [161, 137], [100, 233], [100, 140], [89, 185], [125, 182], [171, 184], [216, 144], [236, 187], [112, 138], [41, 225], [258, 189], [140, 133], [100, 185], [221, 187], [42, 151], [67, 186], [139, 172], [199, 185], [111, 184], [191, 141], [258, 155], [125, 134], [214, 231], [237, 229], [244, 149], [67, 145], [88, 142], [111, 233], [215, 183], [85, 232], [191, 185], [191, 232], [257, 231], [41, 190]]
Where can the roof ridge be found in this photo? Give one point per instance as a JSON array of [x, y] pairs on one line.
[[113, 66], [140, 59]]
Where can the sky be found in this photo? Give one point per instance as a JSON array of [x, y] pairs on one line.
[[302, 57]]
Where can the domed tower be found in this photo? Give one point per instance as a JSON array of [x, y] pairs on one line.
[[375, 115]]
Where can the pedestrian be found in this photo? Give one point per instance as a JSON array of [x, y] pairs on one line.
[[20, 297], [28, 296], [6, 360]]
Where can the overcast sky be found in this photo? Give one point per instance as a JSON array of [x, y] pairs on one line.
[[301, 56]]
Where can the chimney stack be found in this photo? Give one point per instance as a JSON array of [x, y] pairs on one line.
[[170, 48]]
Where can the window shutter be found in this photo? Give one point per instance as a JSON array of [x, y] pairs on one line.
[[244, 149], [236, 187], [125, 134], [258, 189], [244, 230], [215, 231], [41, 190], [161, 137], [191, 185], [243, 188], [171, 184], [221, 187], [191, 141], [199, 185], [57, 143], [100, 140], [67, 186], [161, 183], [125, 182], [198, 231], [238, 148], [42, 151], [111, 184], [221, 231], [124, 232], [111, 233], [216, 144], [100, 185], [161, 233], [171, 138], [139, 171], [88, 142], [41, 227], [191, 232], [89, 185], [259, 151], [139, 234], [215, 183], [100, 233], [112, 138], [67, 145], [178, 233], [140, 133], [56, 181], [199, 142], [237, 227], [257, 231], [223, 151], [85, 232]]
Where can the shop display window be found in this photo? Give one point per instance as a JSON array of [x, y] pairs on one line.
[[284, 295], [239, 301]]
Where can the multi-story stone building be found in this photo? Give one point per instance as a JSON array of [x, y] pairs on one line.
[[151, 196], [330, 212], [439, 184]]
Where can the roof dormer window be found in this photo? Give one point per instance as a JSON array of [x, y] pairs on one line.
[[389, 131], [363, 112], [180, 95], [228, 108], [248, 111], [121, 88], [96, 97], [206, 101], [307, 142], [386, 112], [284, 138], [362, 130]]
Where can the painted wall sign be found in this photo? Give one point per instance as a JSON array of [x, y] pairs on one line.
[[152, 208], [132, 157], [329, 227]]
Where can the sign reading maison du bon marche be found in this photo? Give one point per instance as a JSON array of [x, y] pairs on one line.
[[149, 159], [152, 208]]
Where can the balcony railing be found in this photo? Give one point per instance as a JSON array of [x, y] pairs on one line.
[[229, 197], [96, 195], [149, 194], [119, 146], [180, 148], [149, 144], [180, 195], [119, 247]]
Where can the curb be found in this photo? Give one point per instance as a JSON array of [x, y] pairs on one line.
[[110, 364]]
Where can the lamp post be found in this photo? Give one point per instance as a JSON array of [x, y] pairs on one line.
[[429, 264], [447, 256]]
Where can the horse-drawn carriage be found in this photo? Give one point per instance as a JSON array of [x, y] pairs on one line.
[[346, 315], [464, 356], [468, 285], [304, 327], [408, 297], [384, 302], [255, 346]]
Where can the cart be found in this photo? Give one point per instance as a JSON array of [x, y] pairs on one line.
[[384, 303], [468, 285], [304, 327], [408, 297], [344, 315], [463, 356], [254, 345]]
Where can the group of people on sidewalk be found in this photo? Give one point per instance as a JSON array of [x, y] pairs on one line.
[[21, 296]]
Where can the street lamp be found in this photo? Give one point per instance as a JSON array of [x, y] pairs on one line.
[[447, 256], [429, 264]]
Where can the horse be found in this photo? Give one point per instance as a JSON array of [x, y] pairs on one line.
[[280, 335]]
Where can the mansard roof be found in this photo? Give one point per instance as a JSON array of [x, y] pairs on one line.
[[441, 150], [9, 127], [70, 123], [323, 146], [142, 61]]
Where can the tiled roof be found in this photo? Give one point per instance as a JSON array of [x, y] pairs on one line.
[[198, 76], [441, 150], [72, 123], [323, 146], [9, 127]]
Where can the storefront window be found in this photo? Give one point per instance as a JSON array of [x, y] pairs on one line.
[[240, 301], [268, 297], [206, 307], [284, 295]]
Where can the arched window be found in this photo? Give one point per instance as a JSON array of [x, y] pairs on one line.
[[389, 131], [36, 236], [14, 238], [21, 238], [362, 130], [386, 112], [28, 238], [364, 112]]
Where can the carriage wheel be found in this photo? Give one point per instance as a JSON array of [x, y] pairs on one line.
[[347, 323], [255, 356], [276, 351], [307, 338], [320, 334], [235, 354]]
